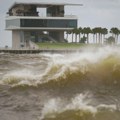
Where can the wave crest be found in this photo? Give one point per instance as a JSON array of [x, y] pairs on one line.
[[102, 65], [78, 107]]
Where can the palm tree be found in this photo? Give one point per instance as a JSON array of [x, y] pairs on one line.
[[73, 32], [68, 32], [94, 33], [67, 35], [115, 33], [76, 31], [112, 31], [87, 31], [104, 32], [80, 31], [98, 32]]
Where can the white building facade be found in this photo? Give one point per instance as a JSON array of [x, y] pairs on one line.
[[28, 25]]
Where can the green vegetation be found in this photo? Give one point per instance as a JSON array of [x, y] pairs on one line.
[[98, 33], [110, 40], [80, 38], [63, 45]]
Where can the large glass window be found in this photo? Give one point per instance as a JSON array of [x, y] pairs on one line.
[[33, 23], [58, 23]]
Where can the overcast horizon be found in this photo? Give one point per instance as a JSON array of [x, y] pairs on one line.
[[93, 13]]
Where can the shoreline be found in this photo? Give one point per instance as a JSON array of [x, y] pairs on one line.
[[52, 50], [36, 51]]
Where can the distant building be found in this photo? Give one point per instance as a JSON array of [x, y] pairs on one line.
[[28, 25]]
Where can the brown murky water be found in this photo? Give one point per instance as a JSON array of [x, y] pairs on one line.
[[77, 86]]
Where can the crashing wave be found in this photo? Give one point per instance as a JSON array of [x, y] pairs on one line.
[[102, 65], [78, 107]]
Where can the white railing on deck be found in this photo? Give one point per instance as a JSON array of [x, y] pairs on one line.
[[37, 17]]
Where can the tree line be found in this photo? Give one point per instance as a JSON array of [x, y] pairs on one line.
[[98, 33]]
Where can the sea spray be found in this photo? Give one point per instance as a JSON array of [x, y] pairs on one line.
[[81, 105], [79, 86], [66, 66]]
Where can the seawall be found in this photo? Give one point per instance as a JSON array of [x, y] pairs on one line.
[[35, 51]]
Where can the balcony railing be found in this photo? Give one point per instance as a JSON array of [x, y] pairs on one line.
[[42, 16]]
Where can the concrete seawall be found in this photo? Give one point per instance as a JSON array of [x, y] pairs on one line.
[[33, 51]]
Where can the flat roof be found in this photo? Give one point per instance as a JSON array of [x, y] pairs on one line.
[[43, 4]]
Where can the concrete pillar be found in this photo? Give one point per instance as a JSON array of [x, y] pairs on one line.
[[17, 39]]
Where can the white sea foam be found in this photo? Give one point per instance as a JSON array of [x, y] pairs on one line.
[[79, 102], [20, 77], [57, 105], [59, 64]]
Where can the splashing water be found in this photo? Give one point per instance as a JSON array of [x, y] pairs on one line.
[[82, 103], [64, 67], [78, 86]]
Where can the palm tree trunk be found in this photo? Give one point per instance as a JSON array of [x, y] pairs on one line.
[[96, 39], [79, 37], [117, 39], [103, 38], [99, 38], [76, 38], [67, 37], [72, 37], [88, 38]]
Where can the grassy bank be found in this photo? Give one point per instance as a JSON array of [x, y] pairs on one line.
[[63, 45]]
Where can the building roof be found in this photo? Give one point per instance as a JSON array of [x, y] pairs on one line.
[[43, 4]]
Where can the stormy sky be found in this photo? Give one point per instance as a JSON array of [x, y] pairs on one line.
[[93, 13]]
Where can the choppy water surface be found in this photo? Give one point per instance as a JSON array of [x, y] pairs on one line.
[[77, 86]]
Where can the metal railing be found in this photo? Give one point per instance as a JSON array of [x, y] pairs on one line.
[[42, 16]]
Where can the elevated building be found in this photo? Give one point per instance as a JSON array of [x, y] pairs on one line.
[[28, 25]]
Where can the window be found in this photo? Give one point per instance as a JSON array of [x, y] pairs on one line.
[[57, 23]]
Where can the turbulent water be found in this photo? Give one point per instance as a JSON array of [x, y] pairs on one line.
[[78, 86]]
